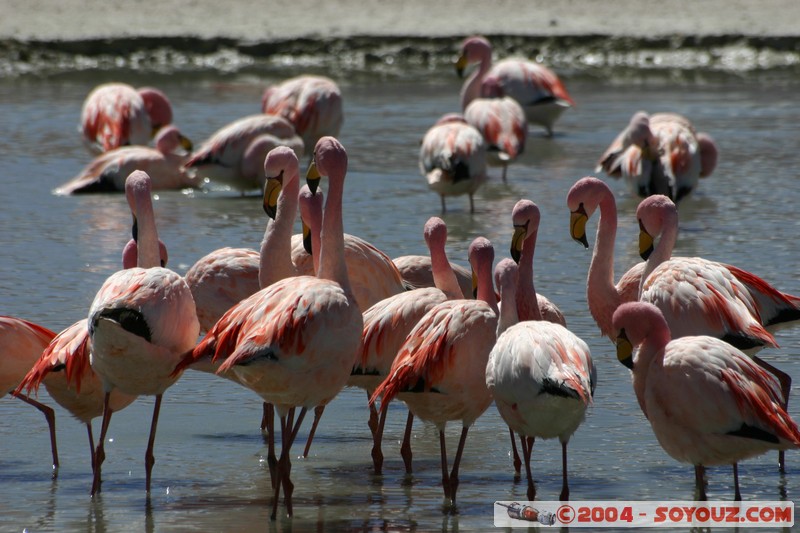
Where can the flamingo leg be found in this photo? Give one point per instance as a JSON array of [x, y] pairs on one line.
[[100, 453], [149, 458], [91, 441], [289, 430], [405, 448], [527, 448], [564, 497], [279, 473], [318, 410], [445, 474], [50, 416], [373, 415], [444, 209], [268, 425], [377, 439], [737, 496], [515, 453], [456, 464], [786, 386], [471, 204], [700, 482], [505, 167], [266, 409]]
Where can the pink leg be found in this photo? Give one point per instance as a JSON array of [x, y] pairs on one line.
[[268, 424], [373, 416], [564, 497], [288, 433], [377, 440], [91, 441], [527, 450], [445, 474], [517, 460], [456, 464], [50, 416], [318, 410], [100, 453], [405, 448], [149, 458]]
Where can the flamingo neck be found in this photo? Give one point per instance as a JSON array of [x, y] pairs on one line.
[[662, 251], [486, 288], [601, 293], [276, 246], [444, 278], [508, 312], [472, 86], [650, 350], [332, 265], [147, 250], [527, 304]]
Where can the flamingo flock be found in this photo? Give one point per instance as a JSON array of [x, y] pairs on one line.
[[309, 314]]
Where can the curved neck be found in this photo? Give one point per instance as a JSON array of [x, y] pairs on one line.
[[601, 292], [527, 304], [662, 251], [444, 278], [276, 246], [650, 350], [472, 85]]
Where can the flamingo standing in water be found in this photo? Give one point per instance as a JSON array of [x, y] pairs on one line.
[[313, 104], [502, 123], [535, 87], [707, 402], [294, 342], [603, 296], [660, 154], [116, 115], [386, 325], [540, 375], [452, 157], [234, 155], [164, 164], [439, 370], [21, 343], [141, 322]]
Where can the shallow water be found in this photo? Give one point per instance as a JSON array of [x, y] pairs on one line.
[[211, 470]]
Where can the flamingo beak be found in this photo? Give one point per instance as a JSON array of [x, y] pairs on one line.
[[313, 177], [520, 232], [186, 144], [461, 65], [272, 190], [577, 225], [474, 284], [307, 238], [624, 350], [646, 245]]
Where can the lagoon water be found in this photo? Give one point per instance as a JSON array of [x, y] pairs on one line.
[[210, 472]]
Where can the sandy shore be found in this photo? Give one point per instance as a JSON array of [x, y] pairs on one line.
[[247, 20]]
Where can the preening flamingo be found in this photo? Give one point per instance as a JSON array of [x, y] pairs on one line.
[[538, 89], [116, 115], [386, 325], [21, 344], [660, 154], [164, 164], [313, 105], [141, 322], [439, 370], [452, 157], [707, 402], [294, 342], [502, 123], [603, 297], [541, 377], [234, 155]]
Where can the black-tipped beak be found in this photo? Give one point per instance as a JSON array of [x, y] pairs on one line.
[[461, 65], [272, 190], [624, 350], [307, 239], [577, 225], [313, 177], [520, 232], [646, 245]]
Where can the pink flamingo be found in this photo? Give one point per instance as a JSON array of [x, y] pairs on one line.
[[584, 198], [234, 155], [707, 402], [313, 104], [541, 377], [538, 90], [417, 273], [439, 370], [452, 157], [386, 325], [21, 343], [116, 115], [502, 123], [164, 164], [279, 341], [141, 322], [660, 154]]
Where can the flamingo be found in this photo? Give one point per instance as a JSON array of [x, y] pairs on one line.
[[386, 325], [313, 105], [660, 154], [603, 297], [21, 343], [417, 272], [141, 321], [540, 375], [164, 164], [452, 157], [502, 123], [538, 89], [234, 155], [294, 342], [116, 115], [439, 370], [707, 402]]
